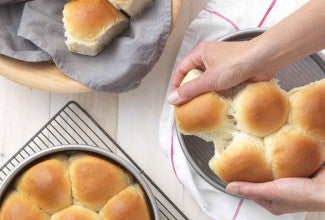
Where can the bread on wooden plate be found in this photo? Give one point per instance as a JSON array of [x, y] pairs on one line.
[[81, 186], [265, 133], [91, 24]]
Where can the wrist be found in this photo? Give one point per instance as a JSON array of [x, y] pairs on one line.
[[268, 56]]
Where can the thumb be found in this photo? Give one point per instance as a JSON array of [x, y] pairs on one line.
[[284, 189], [191, 89], [266, 190]]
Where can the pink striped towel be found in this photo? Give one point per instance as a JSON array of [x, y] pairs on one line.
[[217, 19]]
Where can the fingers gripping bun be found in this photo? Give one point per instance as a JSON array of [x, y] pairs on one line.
[[205, 113]]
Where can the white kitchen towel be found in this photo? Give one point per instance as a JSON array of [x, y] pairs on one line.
[[217, 19]]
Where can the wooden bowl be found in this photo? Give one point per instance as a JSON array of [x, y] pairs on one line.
[[47, 76]]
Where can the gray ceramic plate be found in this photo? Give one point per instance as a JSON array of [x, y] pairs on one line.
[[198, 152]]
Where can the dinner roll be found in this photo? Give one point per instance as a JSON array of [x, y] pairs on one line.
[[128, 204], [95, 180], [260, 132], [91, 24], [75, 212], [131, 7], [16, 206], [261, 108], [203, 114], [243, 160], [308, 109], [47, 184], [294, 153]]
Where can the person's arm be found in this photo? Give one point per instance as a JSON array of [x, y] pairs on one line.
[[226, 64], [295, 37]]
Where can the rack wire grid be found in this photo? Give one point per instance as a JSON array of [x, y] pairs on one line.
[[73, 125]]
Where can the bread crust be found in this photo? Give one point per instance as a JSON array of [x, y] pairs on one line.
[[75, 186], [128, 204], [16, 205], [243, 160], [261, 108], [47, 184], [94, 180], [91, 24], [308, 109]]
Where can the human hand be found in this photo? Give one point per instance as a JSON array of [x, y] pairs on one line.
[[224, 65], [285, 195]]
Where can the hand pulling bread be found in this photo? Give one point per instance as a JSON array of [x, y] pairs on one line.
[[260, 131], [90, 25]]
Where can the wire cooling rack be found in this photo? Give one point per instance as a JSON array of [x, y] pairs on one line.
[[73, 125]]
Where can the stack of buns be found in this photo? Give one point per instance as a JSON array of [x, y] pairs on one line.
[[260, 132], [82, 186], [91, 24]]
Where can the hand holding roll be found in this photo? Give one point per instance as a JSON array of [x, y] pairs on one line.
[[260, 132]]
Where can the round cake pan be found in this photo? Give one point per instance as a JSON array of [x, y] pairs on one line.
[[198, 152], [9, 182]]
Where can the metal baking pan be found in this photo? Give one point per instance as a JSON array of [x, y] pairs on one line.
[[198, 152], [9, 182]]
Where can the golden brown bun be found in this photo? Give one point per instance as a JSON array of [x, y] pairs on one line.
[[128, 204], [292, 146], [205, 113], [91, 24], [95, 180], [44, 191], [131, 7], [16, 207], [75, 212], [261, 108], [294, 153], [47, 184], [243, 160], [308, 109]]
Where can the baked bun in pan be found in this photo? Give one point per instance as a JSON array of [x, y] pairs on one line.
[[75, 186], [260, 132]]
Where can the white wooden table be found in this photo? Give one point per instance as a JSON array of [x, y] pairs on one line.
[[131, 118]]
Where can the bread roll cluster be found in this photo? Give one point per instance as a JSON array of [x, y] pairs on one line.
[[260, 132], [91, 24], [79, 187]]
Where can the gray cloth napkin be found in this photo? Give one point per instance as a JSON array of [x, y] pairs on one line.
[[13, 45], [3, 2], [121, 65]]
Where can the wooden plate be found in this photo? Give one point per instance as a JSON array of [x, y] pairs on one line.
[[47, 76]]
